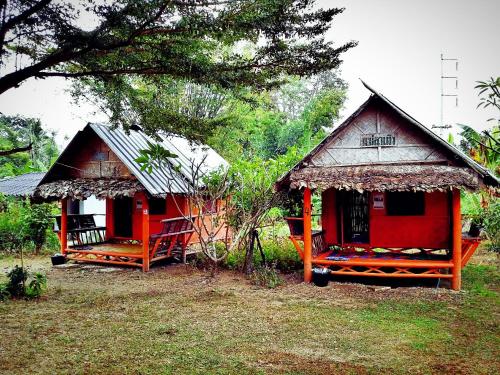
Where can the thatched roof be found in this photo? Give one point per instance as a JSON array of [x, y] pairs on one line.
[[82, 188], [385, 177], [460, 171]]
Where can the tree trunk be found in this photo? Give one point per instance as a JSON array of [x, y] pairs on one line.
[[38, 249], [249, 265]]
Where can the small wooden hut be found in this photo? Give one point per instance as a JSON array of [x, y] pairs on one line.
[[147, 214], [390, 198]]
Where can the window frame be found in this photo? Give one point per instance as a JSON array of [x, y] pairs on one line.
[[397, 207], [156, 205]]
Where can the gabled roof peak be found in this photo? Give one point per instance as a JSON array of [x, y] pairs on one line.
[[127, 145], [487, 177]]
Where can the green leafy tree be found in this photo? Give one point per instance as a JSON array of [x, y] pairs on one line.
[[489, 93], [16, 131], [37, 223], [108, 42], [295, 114], [483, 147], [253, 196]]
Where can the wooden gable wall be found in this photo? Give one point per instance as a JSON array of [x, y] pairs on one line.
[[87, 156], [399, 141]]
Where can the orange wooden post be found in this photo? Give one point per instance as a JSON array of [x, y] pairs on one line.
[[145, 234], [456, 281], [64, 225], [307, 236]]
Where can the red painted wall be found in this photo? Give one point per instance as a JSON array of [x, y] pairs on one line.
[[110, 225], [172, 210], [173, 207], [155, 224], [431, 230]]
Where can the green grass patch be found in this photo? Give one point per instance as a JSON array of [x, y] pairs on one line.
[[180, 320], [481, 279]]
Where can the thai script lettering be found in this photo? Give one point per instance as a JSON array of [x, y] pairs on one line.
[[376, 140]]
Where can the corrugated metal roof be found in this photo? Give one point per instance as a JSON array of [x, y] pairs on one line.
[[22, 185], [166, 180]]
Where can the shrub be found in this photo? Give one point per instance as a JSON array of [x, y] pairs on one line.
[[491, 223], [37, 286], [16, 285], [266, 276], [280, 253], [52, 243], [4, 292], [38, 220], [17, 279], [25, 226], [12, 226]]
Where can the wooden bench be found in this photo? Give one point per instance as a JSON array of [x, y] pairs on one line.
[[296, 226], [176, 232], [82, 230]]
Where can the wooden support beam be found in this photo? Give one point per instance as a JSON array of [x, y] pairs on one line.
[[105, 253], [414, 263], [307, 236], [64, 225], [456, 240], [468, 249], [395, 275], [145, 234]]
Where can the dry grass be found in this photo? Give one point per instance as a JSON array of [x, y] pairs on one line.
[[177, 319]]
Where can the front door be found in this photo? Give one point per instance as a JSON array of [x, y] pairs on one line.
[[122, 210], [356, 214]]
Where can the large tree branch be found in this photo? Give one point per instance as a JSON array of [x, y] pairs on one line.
[[15, 78], [16, 150], [146, 70], [68, 53], [11, 22]]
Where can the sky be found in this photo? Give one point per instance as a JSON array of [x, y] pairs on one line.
[[400, 44]]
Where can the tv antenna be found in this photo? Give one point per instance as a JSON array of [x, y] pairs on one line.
[[442, 126]]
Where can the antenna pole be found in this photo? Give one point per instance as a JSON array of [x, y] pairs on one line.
[[442, 88], [442, 125]]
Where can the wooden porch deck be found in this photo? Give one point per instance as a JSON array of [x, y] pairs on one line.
[[384, 264], [122, 254], [363, 260], [170, 242]]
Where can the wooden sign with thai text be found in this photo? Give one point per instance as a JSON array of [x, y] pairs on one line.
[[376, 140]]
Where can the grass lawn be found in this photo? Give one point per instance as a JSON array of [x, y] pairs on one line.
[[177, 319]]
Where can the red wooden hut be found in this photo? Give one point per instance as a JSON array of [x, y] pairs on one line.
[[390, 198], [147, 214]]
